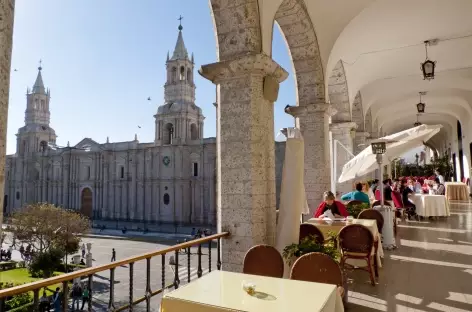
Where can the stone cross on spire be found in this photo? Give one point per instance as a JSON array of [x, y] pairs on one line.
[[180, 22]]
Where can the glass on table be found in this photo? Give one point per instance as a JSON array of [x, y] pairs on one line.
[[249, 287]]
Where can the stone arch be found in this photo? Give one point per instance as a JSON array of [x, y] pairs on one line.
[[368, 121], [86, 202], [339, 93], [299, 33], [182, 73], [168, 133], [237, 28], [43, 146], [358, 113], [174, 75], [189, 75], [193, 132]]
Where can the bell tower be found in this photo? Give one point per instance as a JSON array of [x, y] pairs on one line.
[[179, 120], [36, 134]]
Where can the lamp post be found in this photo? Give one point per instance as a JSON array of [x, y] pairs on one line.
[[69, 148], [379, 148]]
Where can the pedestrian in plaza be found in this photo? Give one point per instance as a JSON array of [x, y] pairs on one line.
[[57, 300], [83, 250], [76, 295], [193, 232], [85, 297], [113, 255]]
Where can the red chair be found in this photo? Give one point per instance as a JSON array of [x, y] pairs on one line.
[[400, 209], [377, 194]]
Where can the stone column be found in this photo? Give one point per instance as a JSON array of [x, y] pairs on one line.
[[344, 146], [313, 121], [7, 8], [247, 88]]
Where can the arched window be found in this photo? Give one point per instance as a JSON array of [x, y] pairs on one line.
[[182, 73], [174, 74], [166, 199], [23, 147], [168, 133], [43, 104], [43, 146], [193, 132], [17, 195], [189, 75]]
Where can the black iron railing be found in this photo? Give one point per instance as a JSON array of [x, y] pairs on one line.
[[177, 250]]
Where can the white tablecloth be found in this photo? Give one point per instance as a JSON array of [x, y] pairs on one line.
[[221, 291], [431, 205]]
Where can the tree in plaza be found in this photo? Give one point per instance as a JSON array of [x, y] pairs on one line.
[[48, 231]]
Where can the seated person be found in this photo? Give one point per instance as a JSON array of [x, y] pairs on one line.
[[330, 203], [407, 203], [439, 188], [387, 190], [357, 195], [374, 185]]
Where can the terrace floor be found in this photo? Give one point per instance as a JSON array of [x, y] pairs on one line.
[[430, 271]]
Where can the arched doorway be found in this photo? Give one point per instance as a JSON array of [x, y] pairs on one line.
[[86, 202], [5, 204]]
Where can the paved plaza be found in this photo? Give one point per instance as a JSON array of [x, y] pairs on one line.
[[101, 251]]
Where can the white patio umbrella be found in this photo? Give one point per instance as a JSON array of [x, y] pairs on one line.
[[366, 162], [292, 202]]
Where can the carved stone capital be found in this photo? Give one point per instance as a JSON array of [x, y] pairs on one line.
[[342, 127], [362, 134], [245, 65], [300, 111]]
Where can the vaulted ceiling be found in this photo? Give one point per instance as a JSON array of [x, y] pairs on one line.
[[381, 45]]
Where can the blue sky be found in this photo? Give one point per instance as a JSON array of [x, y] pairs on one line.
[[102, 59]]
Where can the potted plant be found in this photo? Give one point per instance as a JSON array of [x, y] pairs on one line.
[[309, 244], [355, 209]]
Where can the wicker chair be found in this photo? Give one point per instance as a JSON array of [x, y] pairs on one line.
[[372, 214], [378, 203], [263, 260], [319, 268], [307, 229], [357, 242]]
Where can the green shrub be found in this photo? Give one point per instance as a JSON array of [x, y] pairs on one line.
[[309, 244], [355, 209], [44, 264], [18, 301]]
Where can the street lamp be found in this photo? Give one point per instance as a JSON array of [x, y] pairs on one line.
[[69, 148]]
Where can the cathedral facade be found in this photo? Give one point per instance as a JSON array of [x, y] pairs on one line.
[[170, 180]]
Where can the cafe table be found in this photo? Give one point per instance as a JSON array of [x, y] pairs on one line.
[[457, 191], [336, 226], [221, 291], [431, 205]]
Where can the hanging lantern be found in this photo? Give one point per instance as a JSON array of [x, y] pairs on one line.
[[420, 107], [417, 124], [428, 67]]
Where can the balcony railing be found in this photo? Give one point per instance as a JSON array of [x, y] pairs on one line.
[[178, 250]]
